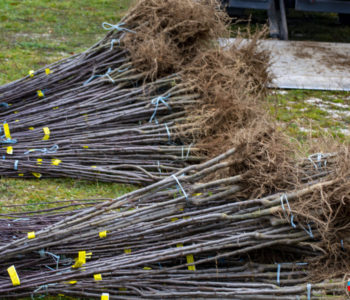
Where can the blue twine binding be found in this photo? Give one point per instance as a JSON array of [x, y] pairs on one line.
[[180, 186], [4, 104], [51, 150], [104, 75], [4, 140], [309, 232], [319, 157], [278, 273], [118, 27], [168, 132], [20, 219], [16, 165], [284, 197], [122, 70], [42, 287], [156, 101], [55, 257], [309, 291], [159, 169], [113, 41], [188, 151]]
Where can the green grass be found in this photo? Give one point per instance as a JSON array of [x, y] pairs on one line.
[[34, 33], [312, 113], [17, 191]]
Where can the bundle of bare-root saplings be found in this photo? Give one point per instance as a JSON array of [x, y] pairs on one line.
[[109, 113], [195, 234], [231, 208]]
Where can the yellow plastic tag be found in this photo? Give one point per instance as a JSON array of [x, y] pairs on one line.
[[73, 282], [82, 256], [127, 251], [57, 107], [31, 73], [190, 260], [105, 296], [103, 234], [81, 260], [31, 128], [31, 235], [47, 71], [147, 268], [37, 175], [14, 276], [174, 219], [39, 161], [56, 162], [86, 147], [94, 167], [97, 277], [7, 131], [40, 93], [21, 175], [47, 133], [78, 263], [9, 150], [16, 121]]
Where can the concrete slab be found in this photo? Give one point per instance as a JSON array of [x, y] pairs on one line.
[[308, 65]]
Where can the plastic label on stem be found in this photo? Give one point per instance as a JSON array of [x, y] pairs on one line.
[[7, 131], [97, 277], [47, 133], [9, 150], [40, 93], [31, 235], [105, 296], [14, 276], [103, 234], [56, 162]]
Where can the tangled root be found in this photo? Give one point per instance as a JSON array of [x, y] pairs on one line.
[[170, 33]]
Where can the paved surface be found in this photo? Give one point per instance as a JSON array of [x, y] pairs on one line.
[[308, 65]]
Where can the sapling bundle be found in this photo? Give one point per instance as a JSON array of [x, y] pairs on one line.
[[143, 22], [126, 135], [242, 280], [130, 120], [185, 216]]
